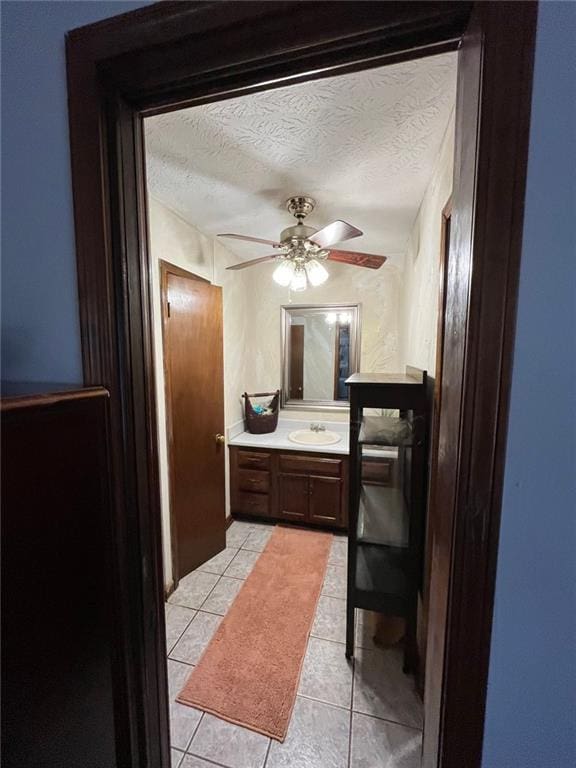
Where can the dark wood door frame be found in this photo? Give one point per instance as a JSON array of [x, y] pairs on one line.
[[436, 400], [170, 55]]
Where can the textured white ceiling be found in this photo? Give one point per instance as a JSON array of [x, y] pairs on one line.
[[363, 145]]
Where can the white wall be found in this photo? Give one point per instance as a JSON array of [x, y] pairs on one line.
[[420, 279], [174, 240]]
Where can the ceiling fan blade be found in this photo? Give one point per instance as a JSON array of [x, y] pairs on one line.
[[252, 262], [336, 232], [252, 239], [370, 260]]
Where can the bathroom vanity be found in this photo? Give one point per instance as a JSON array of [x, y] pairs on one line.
[[297, 486], [274, 479]]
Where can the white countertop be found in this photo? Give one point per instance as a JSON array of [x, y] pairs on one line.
[[279, 439]]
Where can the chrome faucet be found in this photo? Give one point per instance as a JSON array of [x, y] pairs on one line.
[[317, 427]]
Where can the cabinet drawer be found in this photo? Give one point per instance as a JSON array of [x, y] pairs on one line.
[[252, 460], [308, 464], [253, 480], [251, 503]]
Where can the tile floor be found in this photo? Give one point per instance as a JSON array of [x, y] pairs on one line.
[[360, 714]]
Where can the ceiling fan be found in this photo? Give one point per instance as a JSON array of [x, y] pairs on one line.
[[302, 249]]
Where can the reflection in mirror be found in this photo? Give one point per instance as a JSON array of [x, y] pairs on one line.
[[320, 348]]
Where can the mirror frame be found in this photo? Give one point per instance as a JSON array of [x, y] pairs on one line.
[[355, 346]]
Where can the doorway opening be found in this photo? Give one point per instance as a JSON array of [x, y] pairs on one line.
[[119, 72], [376, 148]]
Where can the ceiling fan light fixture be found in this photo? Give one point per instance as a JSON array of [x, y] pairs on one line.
[[317, 273], [284, 273], [299, 281]]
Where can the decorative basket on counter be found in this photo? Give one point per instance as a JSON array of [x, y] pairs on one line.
[[261, 423]]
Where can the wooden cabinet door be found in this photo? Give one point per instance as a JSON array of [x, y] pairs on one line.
[[293, 493], [325, 500]]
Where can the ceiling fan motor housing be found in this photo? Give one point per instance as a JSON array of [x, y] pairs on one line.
[[300, 206], [297, 232]]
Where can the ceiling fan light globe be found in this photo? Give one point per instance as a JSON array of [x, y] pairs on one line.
[[283, 273], [299, 281], [317, 273]]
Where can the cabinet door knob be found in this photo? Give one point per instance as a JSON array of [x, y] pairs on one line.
[[220, 439]]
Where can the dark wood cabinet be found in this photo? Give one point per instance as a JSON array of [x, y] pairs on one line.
[[59, 631], [306, 488]]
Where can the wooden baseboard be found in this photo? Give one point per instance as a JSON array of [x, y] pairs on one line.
[[168, 590]]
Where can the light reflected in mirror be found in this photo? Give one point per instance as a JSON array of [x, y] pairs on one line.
[[320, 351]]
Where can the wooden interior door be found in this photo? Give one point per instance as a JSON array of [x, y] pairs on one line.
[[193, 363], [296, 362]]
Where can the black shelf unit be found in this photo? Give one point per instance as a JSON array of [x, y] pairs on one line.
[[386, 531]]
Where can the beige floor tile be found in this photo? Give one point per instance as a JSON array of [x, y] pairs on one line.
[[317, 738], [193, 589], [219, 562], [330, 619], [177, 619], [335, 582], [382, 689], [193, 642], [327, 673], [222, 596], [242, 564], [379, 744], [229, 744]]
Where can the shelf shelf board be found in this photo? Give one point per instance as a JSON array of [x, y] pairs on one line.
[[384, 379], [386, 431], [383, 518]]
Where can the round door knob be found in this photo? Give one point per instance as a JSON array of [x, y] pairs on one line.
[[220, 439]]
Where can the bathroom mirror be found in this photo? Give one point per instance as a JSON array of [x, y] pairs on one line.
[[320, 350]]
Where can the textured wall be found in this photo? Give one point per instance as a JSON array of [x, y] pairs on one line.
[[174, 240], [419, 304]]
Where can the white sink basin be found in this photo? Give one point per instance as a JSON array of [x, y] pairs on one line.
[[308, 437]]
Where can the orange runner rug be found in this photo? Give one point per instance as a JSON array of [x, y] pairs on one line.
[[250, 671]]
